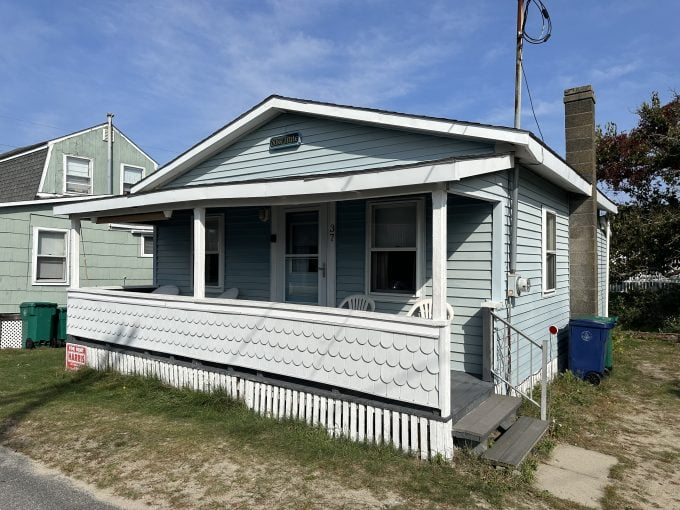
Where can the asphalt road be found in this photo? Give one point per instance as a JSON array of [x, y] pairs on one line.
[[23, 488]]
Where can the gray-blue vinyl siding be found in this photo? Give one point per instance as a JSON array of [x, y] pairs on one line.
[[601, 270], [468, 273], [327, 146], [172, 260]]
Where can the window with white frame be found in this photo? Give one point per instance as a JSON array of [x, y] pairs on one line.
[[50, 256], [214, 251], [130, 175], [146, 246], [77, 175], [394, 247], [549, 251]]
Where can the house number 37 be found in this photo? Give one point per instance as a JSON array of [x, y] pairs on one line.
[[331, 232]]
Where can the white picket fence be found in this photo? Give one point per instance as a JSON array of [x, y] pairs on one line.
[[417, 435], [644, 284]]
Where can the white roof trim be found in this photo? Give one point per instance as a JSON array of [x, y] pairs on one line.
[[548, 165], [48, 201], [604, 203], [304, 186], [42, 147]]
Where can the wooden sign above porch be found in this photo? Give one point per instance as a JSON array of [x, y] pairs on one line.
[[285, 141]]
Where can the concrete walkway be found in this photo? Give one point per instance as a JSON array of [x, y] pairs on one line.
[[576, 474], [26, 485]]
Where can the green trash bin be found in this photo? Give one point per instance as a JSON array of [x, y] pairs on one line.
[[37, 323], [60, 318], [609, 346]]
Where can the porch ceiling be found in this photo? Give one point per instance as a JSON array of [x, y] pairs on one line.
[[406, 179]]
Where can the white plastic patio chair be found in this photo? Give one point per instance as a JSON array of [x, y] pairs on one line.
[[358, 302], [423, 308], [231, 293], [170, 290]]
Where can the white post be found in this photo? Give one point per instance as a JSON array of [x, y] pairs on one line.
[[544, 380], [199, 252], [74, 254], [605, 312], [439, 263]]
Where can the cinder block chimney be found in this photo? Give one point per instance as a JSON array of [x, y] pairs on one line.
[[579, 119]]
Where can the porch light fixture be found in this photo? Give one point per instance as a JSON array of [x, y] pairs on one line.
[[264, 214]]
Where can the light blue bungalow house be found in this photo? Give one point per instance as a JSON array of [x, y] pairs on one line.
[[34, 255], [390, 277]]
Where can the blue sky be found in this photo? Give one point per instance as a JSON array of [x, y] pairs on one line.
[[174, 71]]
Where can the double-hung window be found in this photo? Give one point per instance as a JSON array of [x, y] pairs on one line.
[[130, 175], [146, 246], [214, 251], [549, 251], [50, 256], [394, 247], [77, 175]]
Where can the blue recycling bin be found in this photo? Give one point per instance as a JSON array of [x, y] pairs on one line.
[[588, 339]]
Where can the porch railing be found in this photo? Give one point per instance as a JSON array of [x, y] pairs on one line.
[[515, 360], [389, 356]]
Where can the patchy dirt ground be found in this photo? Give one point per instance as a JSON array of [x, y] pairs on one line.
[[173, 449]]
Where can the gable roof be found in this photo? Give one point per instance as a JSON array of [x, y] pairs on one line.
[[20, 174], [542, 159]]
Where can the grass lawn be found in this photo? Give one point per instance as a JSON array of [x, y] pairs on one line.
[[181, 449]]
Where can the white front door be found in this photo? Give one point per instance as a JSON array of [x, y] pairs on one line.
[[302, 270]]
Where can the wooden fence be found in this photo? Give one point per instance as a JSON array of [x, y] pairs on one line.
[[633, 285]]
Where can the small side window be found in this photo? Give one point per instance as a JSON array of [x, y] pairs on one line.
[[50, 257], [131, 175], [78, 175], [146, 246], [549, 251]]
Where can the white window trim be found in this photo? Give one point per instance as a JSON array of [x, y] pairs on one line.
[[91, 169], [420, 251], [142, 253], [34, 257], [220, 245], [544, 251], [122, 166]]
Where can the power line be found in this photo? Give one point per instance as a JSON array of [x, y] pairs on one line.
[[531, 102], [546, 23]]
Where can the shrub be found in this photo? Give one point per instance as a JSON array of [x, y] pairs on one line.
[[648, 310]]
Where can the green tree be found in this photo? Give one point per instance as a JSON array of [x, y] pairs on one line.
[[644, 165]]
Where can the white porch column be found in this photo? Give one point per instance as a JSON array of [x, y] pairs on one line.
[[439, 266], [74, 254], [199, 252]]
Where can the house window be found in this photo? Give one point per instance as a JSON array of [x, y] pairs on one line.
[[78, 175], [395, 249], [549, 251], [214, 251], [130, 175], [146, 246], [50, 257]]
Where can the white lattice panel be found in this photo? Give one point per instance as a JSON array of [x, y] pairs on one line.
[[10, 334]]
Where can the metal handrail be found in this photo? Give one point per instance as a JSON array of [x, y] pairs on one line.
[[544, 345]]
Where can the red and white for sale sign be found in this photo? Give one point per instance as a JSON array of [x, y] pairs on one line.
[[76, 356]]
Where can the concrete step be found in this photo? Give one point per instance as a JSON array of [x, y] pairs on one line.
[[478, 424], [515, 444]]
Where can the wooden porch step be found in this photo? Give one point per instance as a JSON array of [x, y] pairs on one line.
[[515, 444], [484, 419]]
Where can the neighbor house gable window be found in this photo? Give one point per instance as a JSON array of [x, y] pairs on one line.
[[77, 175], [50, 256], [130, 175], [146, 246], [395, 247], [214, 251], [549, 251]]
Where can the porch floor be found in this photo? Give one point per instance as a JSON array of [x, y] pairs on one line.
[[467, 391]]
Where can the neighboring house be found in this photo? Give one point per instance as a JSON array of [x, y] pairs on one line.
[[297, 205], [34, 254]]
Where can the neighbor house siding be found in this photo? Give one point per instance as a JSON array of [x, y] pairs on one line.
[[327, 146], [91, 145], [601, 270], [106, 257]]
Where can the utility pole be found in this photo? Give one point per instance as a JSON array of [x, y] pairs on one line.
[[518, 62]]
